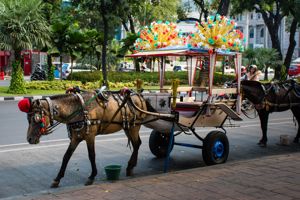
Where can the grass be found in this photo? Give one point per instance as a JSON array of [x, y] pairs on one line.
[[30, 92]]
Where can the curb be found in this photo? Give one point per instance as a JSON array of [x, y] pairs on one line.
[[18, 98]]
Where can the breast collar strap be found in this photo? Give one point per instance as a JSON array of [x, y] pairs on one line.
[[85, 112], [51, 109]]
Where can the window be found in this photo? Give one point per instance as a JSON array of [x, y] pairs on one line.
[[258, 15], [262, 32], [251, 33]]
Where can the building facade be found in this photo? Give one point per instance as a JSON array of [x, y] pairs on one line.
[[257, 35]]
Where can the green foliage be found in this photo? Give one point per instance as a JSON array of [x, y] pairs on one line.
[[17, 83], [51, 73], [264, 58], [149, 78], [22, 25], [283, 73]]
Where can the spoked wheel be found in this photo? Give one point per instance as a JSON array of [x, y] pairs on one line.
[[215, 148], [249, 109], [159, 143]]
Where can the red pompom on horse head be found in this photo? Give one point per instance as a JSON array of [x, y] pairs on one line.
[[24, 105]]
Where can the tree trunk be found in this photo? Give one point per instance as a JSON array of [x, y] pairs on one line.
[[273, 27], [132, 28], [49, 63], [223, 7], [290, 52], [60, 65], [125, 26], [105, 38], [17, 54]]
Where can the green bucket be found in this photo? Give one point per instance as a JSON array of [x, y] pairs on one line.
[[113, 172]]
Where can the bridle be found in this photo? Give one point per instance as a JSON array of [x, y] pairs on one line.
[[39, 116]]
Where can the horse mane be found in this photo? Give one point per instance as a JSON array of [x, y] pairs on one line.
[[63, 97]]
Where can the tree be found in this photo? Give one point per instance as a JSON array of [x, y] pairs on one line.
[[273, 11], [59, 30], [22, 26], [51, 8], [264, 58], [267, 58], [204, 8], [223, 7], [107, 13]]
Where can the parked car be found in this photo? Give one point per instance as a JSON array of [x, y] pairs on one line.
[[125, 67], [270, 74], [77, 67], [294, 70], [177, 68], [229, 70]]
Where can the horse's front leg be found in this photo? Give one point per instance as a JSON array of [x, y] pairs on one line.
[[91, 150], [134, 137], [72, 146], [264, 117]]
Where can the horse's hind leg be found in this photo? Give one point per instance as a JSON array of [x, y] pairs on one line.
[[72, 146], [134, 137], [296, 113], [91, 150]]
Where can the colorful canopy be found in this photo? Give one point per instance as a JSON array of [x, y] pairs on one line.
[[218, 34]]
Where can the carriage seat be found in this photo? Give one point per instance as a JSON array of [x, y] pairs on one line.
[[188, 109]]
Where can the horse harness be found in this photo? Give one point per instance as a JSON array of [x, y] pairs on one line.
[[288, 87], [125, 109]]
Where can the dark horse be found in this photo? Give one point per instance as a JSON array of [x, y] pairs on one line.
[[86, 115], [273, 97]]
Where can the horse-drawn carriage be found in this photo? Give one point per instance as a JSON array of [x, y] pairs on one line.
[[208, 111], [88, 114]]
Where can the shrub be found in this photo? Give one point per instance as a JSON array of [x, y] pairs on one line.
[[17, 83], [51, 73]]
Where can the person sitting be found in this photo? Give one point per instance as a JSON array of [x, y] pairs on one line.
[[253, 74]]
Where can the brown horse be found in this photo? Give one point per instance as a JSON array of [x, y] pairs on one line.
[[86, 115], [273, 97]]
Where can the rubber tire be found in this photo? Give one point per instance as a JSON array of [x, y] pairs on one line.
[[208, 154], [159, 143]]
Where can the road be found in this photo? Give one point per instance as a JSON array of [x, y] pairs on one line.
[[26, 169]]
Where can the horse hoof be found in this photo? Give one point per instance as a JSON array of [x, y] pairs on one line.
[[262, 144], [129, 173], [296, 140], [55, 184], [89, 182]]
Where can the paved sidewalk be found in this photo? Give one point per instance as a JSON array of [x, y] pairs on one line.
[[273, 177]]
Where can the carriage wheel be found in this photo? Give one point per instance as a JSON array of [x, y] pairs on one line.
[[215, 148], [159, 143]]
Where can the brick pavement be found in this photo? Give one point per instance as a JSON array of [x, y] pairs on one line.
[[272, 177]]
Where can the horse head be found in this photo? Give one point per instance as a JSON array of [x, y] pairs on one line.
[[253, 90], [39, 118]]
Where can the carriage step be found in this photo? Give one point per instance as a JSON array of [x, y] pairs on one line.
[[233, 115]]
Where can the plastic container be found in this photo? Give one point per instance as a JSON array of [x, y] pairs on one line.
[[284, 140], [112, 172]]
